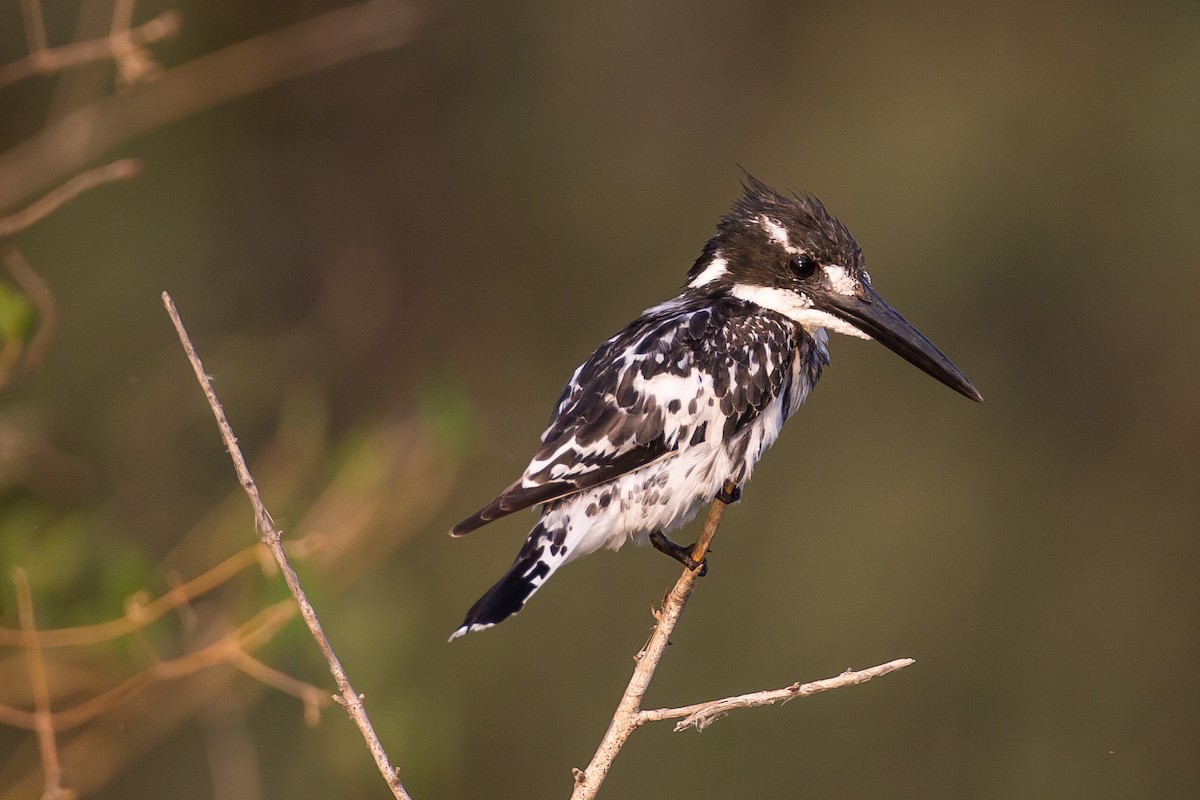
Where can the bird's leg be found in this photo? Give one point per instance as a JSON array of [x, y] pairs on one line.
[[678, 552], [730, 493]]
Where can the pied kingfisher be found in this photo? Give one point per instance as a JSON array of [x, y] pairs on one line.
[[688, 396]]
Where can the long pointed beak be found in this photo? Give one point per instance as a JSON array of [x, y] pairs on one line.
[[868, 312]]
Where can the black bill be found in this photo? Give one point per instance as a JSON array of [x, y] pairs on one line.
[[873, 316]]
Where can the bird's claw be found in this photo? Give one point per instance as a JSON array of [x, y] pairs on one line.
[[678, 552], [729, 493]]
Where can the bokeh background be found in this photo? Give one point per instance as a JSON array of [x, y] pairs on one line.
[[393, 261]]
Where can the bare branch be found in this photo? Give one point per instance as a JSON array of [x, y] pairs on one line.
[[121, 170], [122, 17], [42, 716], [628, 715], [701, 715], [253, 633], [70, 144], [313, 697], [271, 537], [139, 615], [117, 45], [24, 359], [35, 26]]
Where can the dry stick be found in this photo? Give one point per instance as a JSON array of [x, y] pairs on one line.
[[701, 715], [630, 716], [39, 293], [121, 170], [251, 634], [35, 26], [139, 616], [271, 537], [43, 717], [74, 141], [627, 717], [44, 61]]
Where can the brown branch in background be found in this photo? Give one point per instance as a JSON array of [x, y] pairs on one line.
[[139, 615], [35, 26], [134, 63], [271, 537], [701, 715], [19, 358], [121, 170], [626, 719], [122, 17], [73, 142], [118, 45], [313, 697], [42, 716], [232, 648]]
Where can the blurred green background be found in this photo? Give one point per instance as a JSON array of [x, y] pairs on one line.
[[391, 265]]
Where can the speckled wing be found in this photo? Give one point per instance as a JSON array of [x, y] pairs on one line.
[[682, 373]]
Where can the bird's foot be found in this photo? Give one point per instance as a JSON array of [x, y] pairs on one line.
[[730, 493], [678, 552]]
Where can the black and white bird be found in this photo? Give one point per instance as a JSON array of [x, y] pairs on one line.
[[688, 396]]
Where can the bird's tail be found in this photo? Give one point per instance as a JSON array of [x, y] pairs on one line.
[[542, 554]]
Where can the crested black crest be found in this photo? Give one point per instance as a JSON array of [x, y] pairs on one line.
[[743, 242]]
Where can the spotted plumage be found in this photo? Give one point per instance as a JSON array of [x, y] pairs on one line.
[[689, 395]]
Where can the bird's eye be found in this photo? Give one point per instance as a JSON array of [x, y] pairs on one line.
[[803, 266]]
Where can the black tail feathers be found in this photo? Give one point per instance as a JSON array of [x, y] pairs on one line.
[[511, 592]]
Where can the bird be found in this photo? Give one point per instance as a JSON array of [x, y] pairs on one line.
[[674, 411]]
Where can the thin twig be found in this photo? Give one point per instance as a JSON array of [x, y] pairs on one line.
[[43, 716], [253, 633], [121, 170], [122, 17], [35, 26], [38, 291], [140, 615], [45, 61], [349, 698], [75, 140], [701, 715], [313, 697], [627, 717]]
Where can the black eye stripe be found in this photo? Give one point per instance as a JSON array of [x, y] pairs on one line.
[[803, 266]]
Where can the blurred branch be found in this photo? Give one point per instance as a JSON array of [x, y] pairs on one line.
[[121, 170], [232, 648], [628, 715], [42, 298], [43, 720], [121, 45], [701, 715], [71, 143], [272, 538], [35, 26], [140, 614], [313, 697]]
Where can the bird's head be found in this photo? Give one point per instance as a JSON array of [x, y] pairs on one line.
[[790, 255]]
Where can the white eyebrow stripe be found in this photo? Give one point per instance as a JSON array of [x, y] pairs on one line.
[[778, 233]]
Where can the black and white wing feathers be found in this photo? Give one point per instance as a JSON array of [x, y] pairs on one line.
[[682, 372]]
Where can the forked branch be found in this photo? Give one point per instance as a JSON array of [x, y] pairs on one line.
[[630, 715], [627, 717]]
